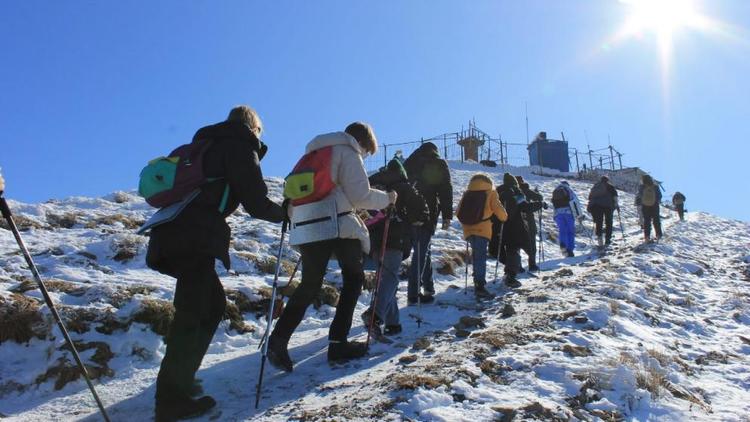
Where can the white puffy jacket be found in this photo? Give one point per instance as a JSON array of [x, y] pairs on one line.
[[352, 189]]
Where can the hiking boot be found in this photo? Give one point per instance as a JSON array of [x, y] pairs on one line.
[[278, 355], [367, 315], [511, 281], [426, 298], [183, 409], [521, 270], [570, 253], [392, 330], [533, 268], [481, 293], [196, 388], [339, 351]]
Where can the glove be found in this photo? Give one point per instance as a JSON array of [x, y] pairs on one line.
[[392, 196], [446, 224], [262, 151], [545, 205]]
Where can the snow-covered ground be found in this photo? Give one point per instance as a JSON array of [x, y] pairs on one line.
[[659, 332]]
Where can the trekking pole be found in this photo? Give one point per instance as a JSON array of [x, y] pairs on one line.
[[466, 272], [622, 228], [379, 272], [264, 340], [541, 238], [499, 248], [419, 286], [9, 218]]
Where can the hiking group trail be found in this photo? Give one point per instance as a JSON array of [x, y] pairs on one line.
[[658, 331]]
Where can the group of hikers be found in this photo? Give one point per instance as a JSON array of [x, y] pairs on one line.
[[366, 222]]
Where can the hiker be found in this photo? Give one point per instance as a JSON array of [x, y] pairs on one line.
[[567, 211], [351, 191], [533, 198], [186, 248], [411, 209], [510, 237], [602, 205], [479, 203], [648, 200], [430, 175], [678, 200]]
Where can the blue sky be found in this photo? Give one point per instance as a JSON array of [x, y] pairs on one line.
[[92, 90]]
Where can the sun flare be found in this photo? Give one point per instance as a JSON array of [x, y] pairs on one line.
[[661, 17]]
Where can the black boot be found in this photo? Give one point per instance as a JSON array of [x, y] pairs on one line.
[[278, 355], [391, 330], [481, 293], [174, 410], [339, 351], [511, 281]]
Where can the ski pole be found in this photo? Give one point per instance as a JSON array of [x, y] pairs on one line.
[[264, 340], [379, 272], [9, 218], [622, 228], [466, 272]]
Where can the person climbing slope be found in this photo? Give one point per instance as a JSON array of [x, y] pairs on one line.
[[602, 205], [567, 211]]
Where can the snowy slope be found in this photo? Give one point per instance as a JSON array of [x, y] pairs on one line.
[[658, 332]]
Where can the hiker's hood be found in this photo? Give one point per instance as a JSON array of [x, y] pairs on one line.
[[392, 174], [331, 139], [479, 183], [428, 149]]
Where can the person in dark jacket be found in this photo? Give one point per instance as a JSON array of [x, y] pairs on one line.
[[515, 232], [648, 199], [430, 175], [410, 210], [678, 200], [602, 205], [187, 247], [533, 197]]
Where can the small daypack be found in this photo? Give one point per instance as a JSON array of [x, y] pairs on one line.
[[599, 191], [310, 180], [560, 197], [648, 199], [472, 206], [168, 180]]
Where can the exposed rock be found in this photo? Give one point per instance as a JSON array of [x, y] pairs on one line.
[[508, 311], [408, 359], [580, 319], [421, 344]]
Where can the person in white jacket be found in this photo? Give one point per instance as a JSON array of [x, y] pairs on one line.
[[567, 211], [352, 192]]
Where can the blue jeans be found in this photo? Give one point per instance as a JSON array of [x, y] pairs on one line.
[[386, 305], [479, 258], [567, 227], [421, 256]]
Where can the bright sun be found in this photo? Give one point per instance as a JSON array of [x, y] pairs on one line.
[[661, 17]]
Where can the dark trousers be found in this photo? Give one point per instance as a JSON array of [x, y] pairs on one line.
[[510, 256], [651, 214], [421, 261], [315, 258], [603, 217], [681, 211], [199, 303]]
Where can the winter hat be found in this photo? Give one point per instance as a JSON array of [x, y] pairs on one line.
[[509, 180], [564, 182], [605, 179], [395, 166]]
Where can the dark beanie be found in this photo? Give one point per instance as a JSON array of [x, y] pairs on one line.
[[396, 167], [509, 180], [605, 179]]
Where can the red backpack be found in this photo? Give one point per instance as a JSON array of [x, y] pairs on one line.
[[310, 180]]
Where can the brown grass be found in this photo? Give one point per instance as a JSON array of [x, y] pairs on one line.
[[157, 314], [130, 223], [20, 319], [414, 381], [450, 260], [126, 248], [236, 322], [22, 222], [64, 221]]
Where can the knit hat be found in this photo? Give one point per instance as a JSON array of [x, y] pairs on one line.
[[395, 166], [509, 180], [605, 179]]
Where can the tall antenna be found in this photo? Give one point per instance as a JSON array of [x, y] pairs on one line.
[[528, 140]]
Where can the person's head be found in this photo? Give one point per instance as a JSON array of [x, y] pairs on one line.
[[605, 179], [647, 180], [509, 180], [520, 180], [483, 177], [364, 135], [565, 183], [247, 115]]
